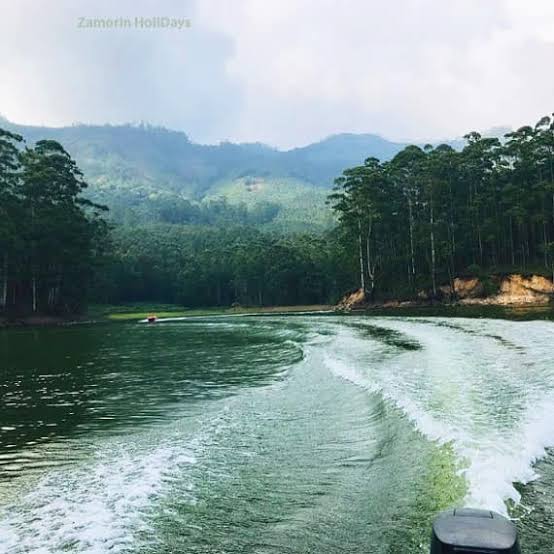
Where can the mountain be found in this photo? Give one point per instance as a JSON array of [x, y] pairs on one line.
[[168, 157], [131, 167]]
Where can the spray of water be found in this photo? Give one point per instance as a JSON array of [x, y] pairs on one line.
[[487, 388]]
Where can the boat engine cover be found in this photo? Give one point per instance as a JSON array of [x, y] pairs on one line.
[[470, 531]]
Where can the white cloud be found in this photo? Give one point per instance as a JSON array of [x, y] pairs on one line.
[[404, 68], [56, 73], [285, 71]]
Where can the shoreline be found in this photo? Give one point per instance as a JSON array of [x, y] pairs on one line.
[[512, 312], [41, 320], [121, 314], [126, 314], [472, 303]]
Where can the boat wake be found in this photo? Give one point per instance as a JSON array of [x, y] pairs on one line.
[[492, 400], [288, 451], [99, 507]]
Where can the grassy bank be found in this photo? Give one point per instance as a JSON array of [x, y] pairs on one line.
[[524, 312], [139, 311]]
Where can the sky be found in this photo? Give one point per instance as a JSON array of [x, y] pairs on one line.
[[282, 72]]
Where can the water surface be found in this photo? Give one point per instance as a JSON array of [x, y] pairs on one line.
[[272, 434]]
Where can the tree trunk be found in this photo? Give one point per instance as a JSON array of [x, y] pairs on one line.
[[34, 289], [480, 242], [512, 242], [433, 254], [551, 165], [370, 265], [5, 282], [545, 243], [451, 225], [412, 250], [218, 293], [452, 284], [478, 224], [33, 262], [362, 276], [523, 246]]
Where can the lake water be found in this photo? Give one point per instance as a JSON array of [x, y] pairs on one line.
[[275, 434]]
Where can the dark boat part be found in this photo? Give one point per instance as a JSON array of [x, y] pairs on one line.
[[470, 531]]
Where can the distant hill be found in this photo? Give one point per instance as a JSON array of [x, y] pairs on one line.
[[135, 168], [169, 158], [322, 161]]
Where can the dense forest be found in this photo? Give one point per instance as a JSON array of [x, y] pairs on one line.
[[165, 160], [58, 252], [50, 236], [149, 174], [405, 225], [433, 213], [219, 266]]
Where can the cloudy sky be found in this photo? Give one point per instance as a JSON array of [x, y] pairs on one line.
[[284, 72]]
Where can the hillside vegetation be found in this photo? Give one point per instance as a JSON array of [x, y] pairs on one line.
[[185, 232], [147, 174], [430, 215]]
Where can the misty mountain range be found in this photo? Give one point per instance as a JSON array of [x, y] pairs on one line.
[[155, 154], [130, 167]]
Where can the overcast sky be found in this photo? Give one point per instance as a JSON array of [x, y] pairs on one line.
[[284, 72]]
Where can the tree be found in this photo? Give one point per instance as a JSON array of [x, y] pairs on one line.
[[9, 204], [49, 233], [447, 212]]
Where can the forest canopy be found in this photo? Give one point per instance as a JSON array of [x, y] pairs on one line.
[[410, 224], [433, 213], [51, 237]]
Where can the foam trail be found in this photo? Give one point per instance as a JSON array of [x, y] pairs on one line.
[[96, 508], [493, 401]]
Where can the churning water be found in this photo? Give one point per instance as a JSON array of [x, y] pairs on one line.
[[272, 434]]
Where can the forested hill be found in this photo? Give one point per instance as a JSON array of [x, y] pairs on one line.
[[152, 174], [405, 226], [168, 158]]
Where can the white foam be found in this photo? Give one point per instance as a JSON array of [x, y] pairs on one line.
[[96, 508], [470, 391]]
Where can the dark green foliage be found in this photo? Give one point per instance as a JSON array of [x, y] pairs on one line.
[[50, 236], [137, 170], [428, 215], [209, 266], [131, 208], [410, 224], [168, 159], [202, 254]]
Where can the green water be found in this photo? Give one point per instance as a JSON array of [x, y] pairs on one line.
[[272, 434]]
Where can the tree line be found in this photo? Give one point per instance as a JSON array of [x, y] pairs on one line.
[[430, 214], [407, 225], [51, 237], [57, 252], [137, 206], [201, 266]]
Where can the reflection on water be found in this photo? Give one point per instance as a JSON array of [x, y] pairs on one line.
[[59, 383]]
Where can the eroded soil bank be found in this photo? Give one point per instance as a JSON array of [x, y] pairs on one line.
[[507, 290]]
